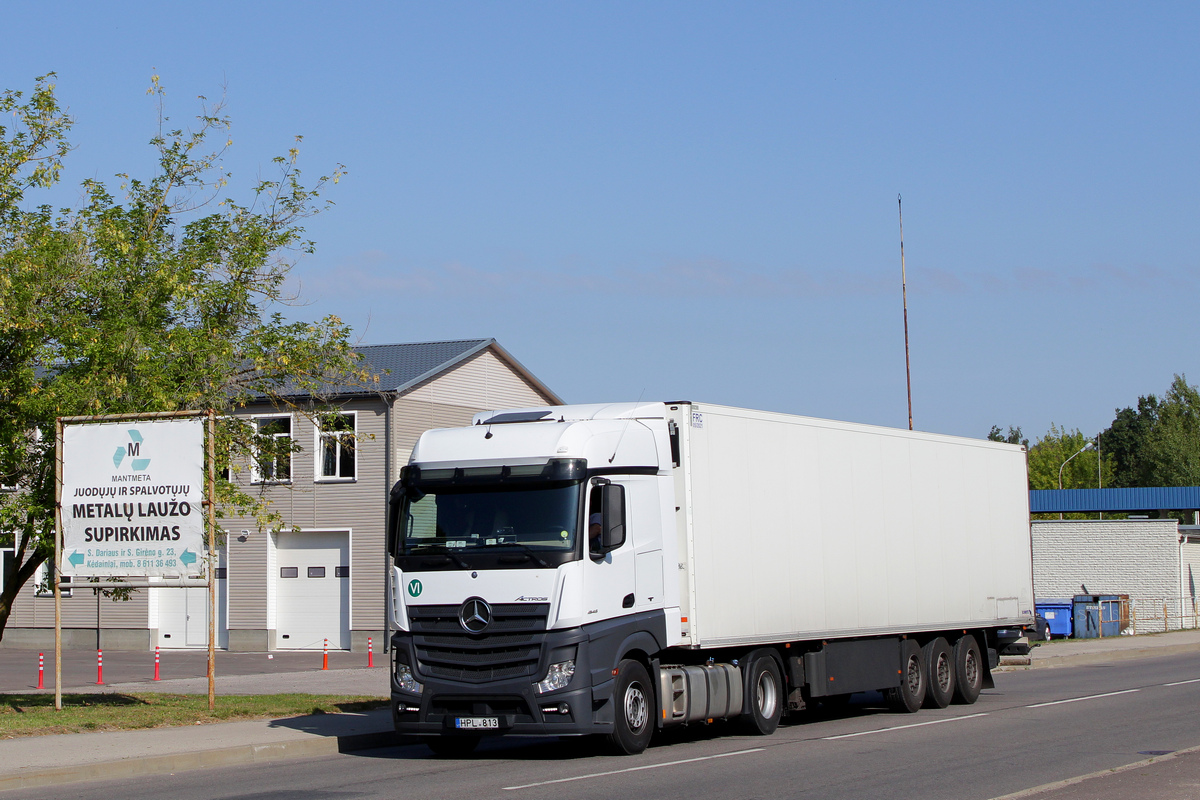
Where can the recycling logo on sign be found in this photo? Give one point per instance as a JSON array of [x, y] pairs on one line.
[[133, 449]]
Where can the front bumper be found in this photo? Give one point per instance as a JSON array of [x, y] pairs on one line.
[[513, 702]]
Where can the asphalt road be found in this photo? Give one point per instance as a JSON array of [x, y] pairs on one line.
[[1035, 728]]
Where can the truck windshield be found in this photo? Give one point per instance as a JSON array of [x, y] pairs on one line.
[[482, 526]]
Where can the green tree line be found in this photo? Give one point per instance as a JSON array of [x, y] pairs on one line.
[[1155, 443]]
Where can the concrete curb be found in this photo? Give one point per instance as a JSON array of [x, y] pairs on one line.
[[1101, 657], [202, 759]]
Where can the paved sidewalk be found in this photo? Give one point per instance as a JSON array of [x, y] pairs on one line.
[[1073, 652], [28, 762]]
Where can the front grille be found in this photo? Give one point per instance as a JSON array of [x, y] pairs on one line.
[[510, 648]]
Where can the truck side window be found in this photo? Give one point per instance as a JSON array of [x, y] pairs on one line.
[[595, 526]]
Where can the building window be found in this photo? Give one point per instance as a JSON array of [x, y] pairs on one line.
[[8, 567], [336, 452], [273, 459], [43, 583]]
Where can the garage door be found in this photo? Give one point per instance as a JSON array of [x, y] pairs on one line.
[[312, 590]]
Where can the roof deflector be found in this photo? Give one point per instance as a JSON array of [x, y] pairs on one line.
[[516, 416]]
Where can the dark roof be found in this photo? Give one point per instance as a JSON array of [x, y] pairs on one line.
[[401, 367], [1149, 498]]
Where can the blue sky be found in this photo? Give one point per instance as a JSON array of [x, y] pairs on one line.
[[698, 200]]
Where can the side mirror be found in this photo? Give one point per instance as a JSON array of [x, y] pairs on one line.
[[612, 506]]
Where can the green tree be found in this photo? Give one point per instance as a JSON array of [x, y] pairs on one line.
[[1056, 447], [1126, 440], [1014, 436], [166, 298]]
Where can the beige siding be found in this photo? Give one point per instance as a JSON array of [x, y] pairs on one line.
[[357, 506], [79, 610], [449, 400]]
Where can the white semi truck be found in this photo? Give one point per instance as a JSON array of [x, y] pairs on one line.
[[617, 569]]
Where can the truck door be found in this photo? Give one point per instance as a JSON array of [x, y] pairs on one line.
[[609, 578]]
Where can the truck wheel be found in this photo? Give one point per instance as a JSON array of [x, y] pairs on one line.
[[763, 699], [452, 746], [968, 670], [634, 697], [908, 696], [939, 664]]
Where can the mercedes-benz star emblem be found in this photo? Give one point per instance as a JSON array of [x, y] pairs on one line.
[[475, 615]]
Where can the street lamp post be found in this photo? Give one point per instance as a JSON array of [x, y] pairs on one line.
[[1087, 446]]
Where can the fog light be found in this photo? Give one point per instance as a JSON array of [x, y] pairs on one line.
[[560, 708], [404, 677], [557, 677]]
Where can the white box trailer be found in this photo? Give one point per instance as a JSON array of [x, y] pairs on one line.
[[622, 568], [801, 528]]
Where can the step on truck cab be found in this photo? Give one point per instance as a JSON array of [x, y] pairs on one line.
[[620, 568]]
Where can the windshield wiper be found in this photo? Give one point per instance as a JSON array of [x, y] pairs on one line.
[[442, 550], [527, 550]]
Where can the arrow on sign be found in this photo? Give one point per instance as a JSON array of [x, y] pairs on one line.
[[187, 557], [76, 558]]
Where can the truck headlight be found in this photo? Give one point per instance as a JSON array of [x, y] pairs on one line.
[[557, 677], [404, 677]]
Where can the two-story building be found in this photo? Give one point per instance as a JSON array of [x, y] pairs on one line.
[[324, 575]]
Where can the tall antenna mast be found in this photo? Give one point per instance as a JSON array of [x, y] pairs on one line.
[[904, 296]]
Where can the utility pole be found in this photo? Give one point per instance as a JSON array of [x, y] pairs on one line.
[[904, 296]]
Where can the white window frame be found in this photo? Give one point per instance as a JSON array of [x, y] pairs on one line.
[[320, 435], [39, 577], [3, 552], [256, 475]]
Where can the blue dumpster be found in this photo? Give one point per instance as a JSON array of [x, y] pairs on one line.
[[1057, 614], [1085, 614], [1110, 614]]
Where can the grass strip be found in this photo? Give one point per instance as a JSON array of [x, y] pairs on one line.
[[34, 714]]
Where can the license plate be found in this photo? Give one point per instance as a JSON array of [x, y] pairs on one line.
[[476, 723]]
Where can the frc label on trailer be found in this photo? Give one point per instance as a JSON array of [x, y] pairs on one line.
[[132, 498]]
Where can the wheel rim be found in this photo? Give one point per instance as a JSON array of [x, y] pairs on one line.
[[636, 710], [945, 672], [768, 695], [971, 668], [914, 675]]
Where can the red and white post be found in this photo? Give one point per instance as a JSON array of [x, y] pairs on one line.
[[41, 671], [155, 662], [99, 667], [370, 654], [325, 659]]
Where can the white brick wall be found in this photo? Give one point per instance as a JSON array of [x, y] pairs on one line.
[[1139, 558]]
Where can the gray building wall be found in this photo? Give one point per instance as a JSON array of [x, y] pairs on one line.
[[1140, 558]]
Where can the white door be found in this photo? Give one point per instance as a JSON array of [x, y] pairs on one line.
[[312, 590], [183, 614]]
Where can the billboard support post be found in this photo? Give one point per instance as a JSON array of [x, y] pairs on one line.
[[212, 559], [56, 571]]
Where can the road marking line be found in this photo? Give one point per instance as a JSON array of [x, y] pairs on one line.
[[1181, 683], [634, 769], [1077, 699], [902, 727]]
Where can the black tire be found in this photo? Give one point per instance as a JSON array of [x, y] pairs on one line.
[[908, 696], [763, 696], [968, 670], [939, 665], [453, 746], [633, 712]]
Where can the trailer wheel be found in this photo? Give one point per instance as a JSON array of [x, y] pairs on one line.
[[634, 698], [939, 664], [452, 746], [908, 696], [763, 701], [968, 670]]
